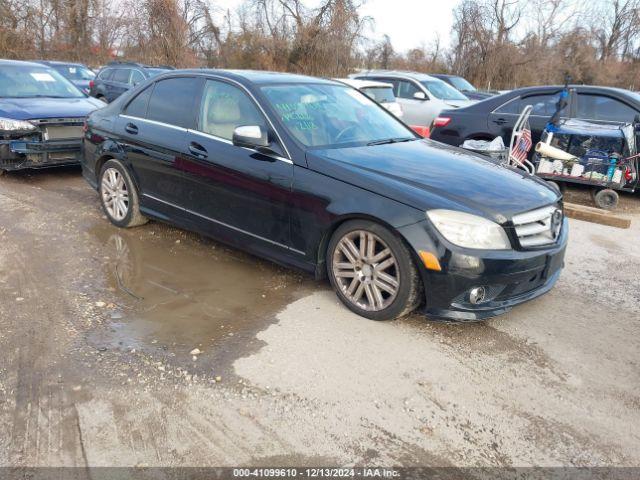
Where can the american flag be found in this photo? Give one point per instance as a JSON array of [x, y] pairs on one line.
[[523, 145]]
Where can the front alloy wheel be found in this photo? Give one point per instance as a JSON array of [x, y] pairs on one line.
[[115, 196], [372, 271], [366, 270]]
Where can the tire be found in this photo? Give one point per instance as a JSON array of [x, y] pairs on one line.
[[2, 172], [356, 279], [606, 199], [119, 196]]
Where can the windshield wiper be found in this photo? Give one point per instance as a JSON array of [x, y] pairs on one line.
[[390, 140]]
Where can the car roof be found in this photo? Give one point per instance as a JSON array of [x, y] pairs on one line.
[[257, 77], [18, 63], [362, 83], [397, 73], [443, 75], [60, 62]]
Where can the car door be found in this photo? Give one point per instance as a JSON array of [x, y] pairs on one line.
[[152, 128], [239, 192], [500, 122]]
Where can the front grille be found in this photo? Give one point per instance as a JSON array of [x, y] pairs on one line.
[[41, 122], [538, 227]]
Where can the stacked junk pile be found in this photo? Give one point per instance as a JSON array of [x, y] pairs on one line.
[[603, 155]]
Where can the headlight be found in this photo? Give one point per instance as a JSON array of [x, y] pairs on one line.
[[469, 231], [8, 125]]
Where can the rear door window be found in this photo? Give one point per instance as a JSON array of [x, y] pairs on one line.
[[138, 106], [543, 105], [121, 75], [136, 77], [173, 101], [512, 106], [106, 74], [601, 107]]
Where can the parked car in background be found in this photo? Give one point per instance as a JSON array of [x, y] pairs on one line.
[[496, 116], [421, 96], [41, 116], [377, 91], [118, 77], [462, 85], [80, 75], [314, 174]]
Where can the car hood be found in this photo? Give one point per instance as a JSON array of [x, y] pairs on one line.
[[427, 175], [32, 108]]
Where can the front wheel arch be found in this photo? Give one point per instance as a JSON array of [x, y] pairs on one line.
[[321, 254]]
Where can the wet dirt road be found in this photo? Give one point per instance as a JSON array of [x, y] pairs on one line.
[[97, 326]]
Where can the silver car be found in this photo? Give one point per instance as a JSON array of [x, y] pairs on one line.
[[421, 96]]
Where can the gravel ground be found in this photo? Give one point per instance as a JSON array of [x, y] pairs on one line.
[[155, 347]]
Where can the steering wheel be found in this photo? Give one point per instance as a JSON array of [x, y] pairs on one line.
[[344, 131]]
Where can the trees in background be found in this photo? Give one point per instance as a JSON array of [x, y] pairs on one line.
[[494, 43]]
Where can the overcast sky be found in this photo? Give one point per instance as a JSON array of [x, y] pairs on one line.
[[408, 22]]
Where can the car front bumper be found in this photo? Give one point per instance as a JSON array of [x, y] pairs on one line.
[[509, 277], [20, 154]]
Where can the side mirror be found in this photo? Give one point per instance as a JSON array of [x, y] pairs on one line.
[[420, 96], [250, 136]]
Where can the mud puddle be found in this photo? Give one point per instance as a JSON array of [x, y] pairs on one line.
[[176, 291]]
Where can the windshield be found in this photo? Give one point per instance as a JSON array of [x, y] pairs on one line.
[[333, 115], [462, 85], [442, 90], [75, 72], [21, 81], [380, 94]]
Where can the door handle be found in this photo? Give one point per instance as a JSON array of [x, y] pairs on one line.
[[500, 121], [131, 128], [198, 150]]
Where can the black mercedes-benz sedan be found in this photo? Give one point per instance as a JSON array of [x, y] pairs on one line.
[[313, 174]]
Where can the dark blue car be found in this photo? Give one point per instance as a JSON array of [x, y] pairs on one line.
[[314, 174], [77, 73], [41, 116]]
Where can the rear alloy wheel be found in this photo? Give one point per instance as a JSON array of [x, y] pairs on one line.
[[119, 196], [372, 271]]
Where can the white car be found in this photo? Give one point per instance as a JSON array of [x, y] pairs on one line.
[[422, 97], [377, 91]]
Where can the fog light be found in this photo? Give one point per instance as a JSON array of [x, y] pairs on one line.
[[477, 295]]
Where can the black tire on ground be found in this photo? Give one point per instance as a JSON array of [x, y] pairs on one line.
[[409, 293], [606, 199], [133, 217], [2, 172]]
